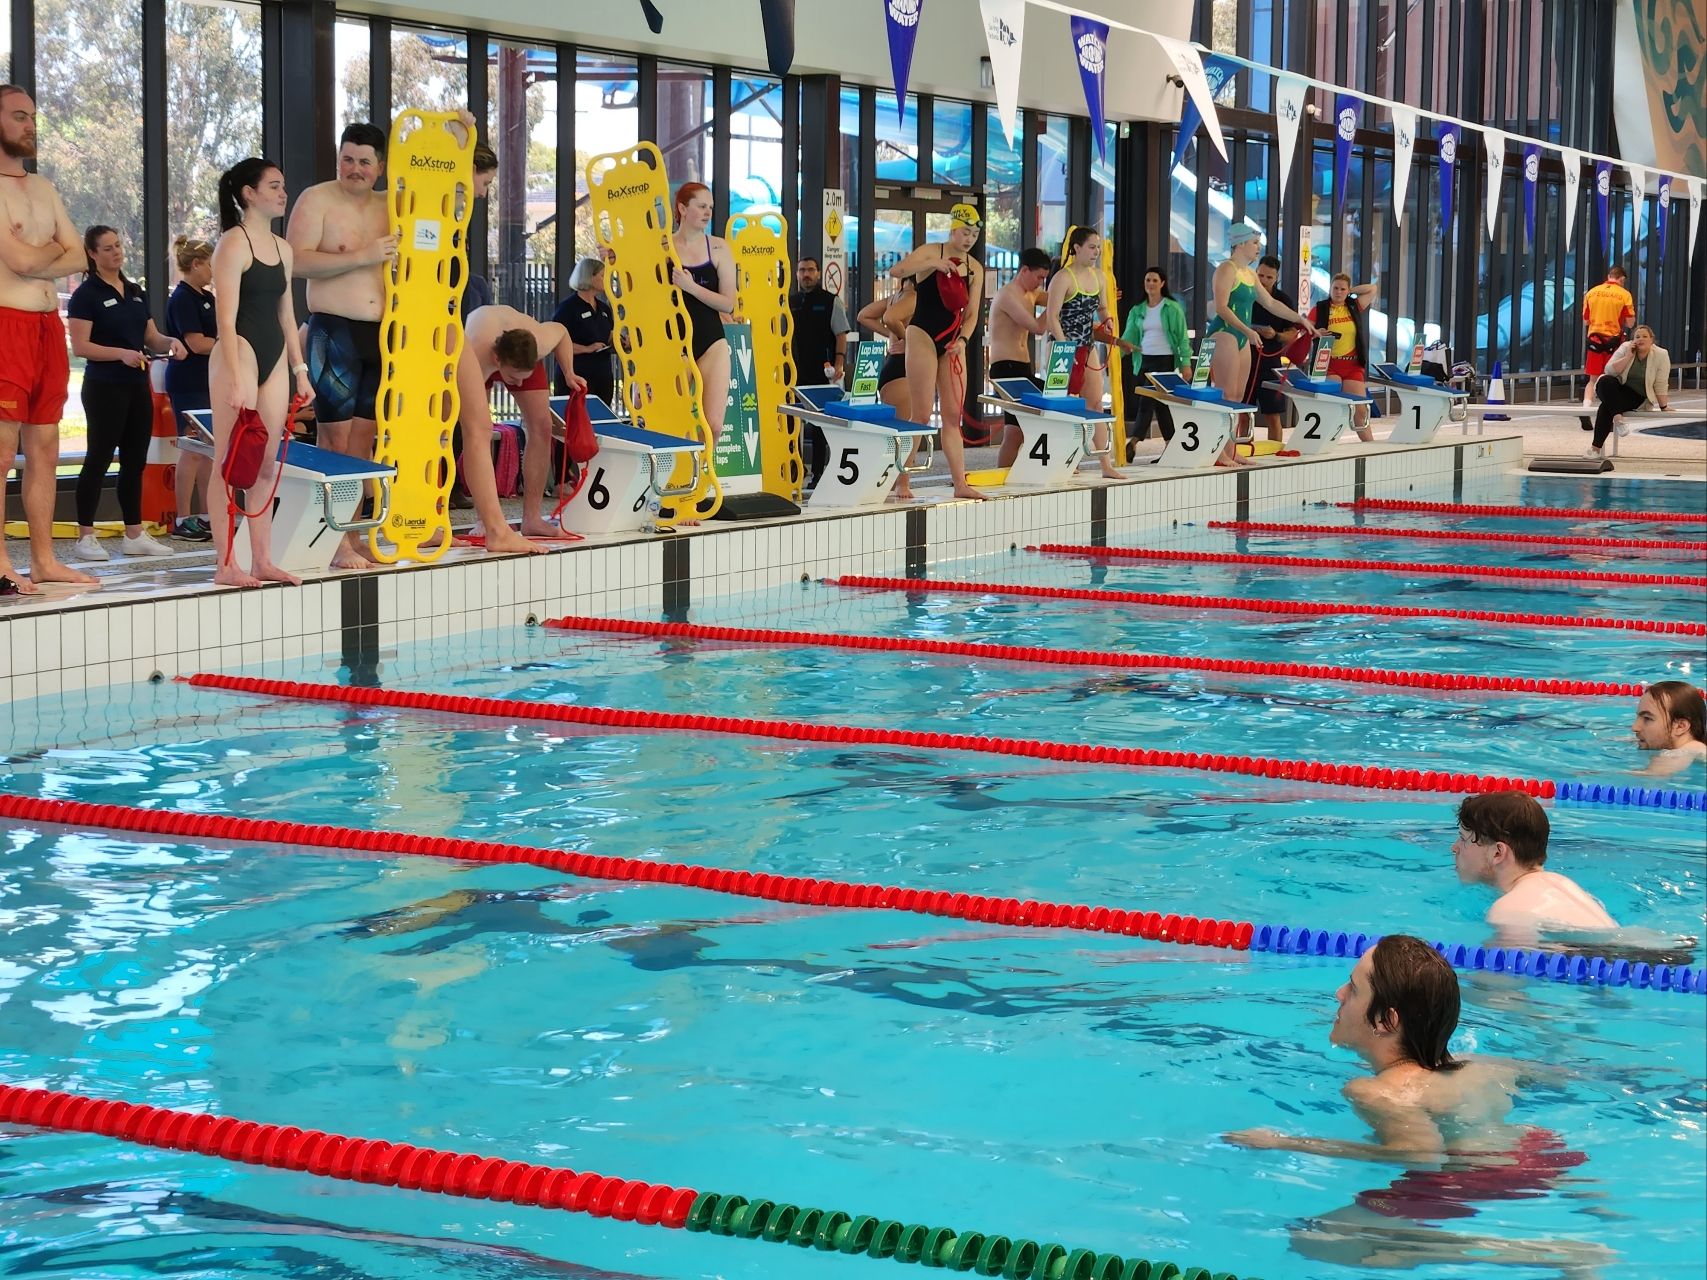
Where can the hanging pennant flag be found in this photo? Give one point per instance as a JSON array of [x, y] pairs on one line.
[[1531, 176], [1090, 47], [1004, 29], [1288, 111], [901, 17], [1217, 70], [1695, 185], [1603, 204], [1448, 135], [1638, 201], [1345, 130], [1664, 207], [1404, 140], [1494, 141], [1190, 67], [1573, 162]]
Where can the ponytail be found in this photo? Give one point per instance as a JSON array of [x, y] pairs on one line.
[[245, 173]]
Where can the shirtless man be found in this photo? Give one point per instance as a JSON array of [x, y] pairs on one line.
[[340, 233], [1669, 722], [38, 245], [501, 343], [1502, 842], [1444, 1119], [1014, 322]]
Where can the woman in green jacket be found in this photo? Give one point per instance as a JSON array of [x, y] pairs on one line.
[[1155, 337]]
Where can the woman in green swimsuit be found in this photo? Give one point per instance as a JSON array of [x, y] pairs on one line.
[[1236, 292]]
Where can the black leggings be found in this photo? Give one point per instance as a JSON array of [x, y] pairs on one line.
[[121, 418], [1615, 398], [1148, 408]]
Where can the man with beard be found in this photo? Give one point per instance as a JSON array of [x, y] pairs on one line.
[[38, 245]]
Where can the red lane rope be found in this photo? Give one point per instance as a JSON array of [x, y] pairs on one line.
[[333, 1155], [1522, 513], [1382, 779], [1374, 566], [1030, 914], [1459, 535], [1092, 658], [1305, 608]]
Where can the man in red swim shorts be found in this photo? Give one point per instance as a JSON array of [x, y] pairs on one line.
[[38, 245]]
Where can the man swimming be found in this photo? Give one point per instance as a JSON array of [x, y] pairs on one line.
[[1502, 842], [1669, 723]]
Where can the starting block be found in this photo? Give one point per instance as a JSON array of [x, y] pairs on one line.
[[628, 477], [1058, 432], [1424, 404], [869, 445], [319, 494], [1324, 410], [1203, 421]]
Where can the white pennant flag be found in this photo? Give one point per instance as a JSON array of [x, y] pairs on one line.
[[1404, 142], [1638, 200], [1289, 96], [1004, 29], [1573, 162], [1494, 141], [1694, 217], [1190, 67]]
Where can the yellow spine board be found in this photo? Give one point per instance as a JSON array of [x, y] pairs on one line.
[[758, 241], [431, 192], [1116, 361], [632, 218]]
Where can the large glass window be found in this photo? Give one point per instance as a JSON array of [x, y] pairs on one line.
[[897, 140], [429, 71], [5, 41], [1182, 230], [848, 117], [755, 143], [1102, 180], [951, 143], [521, 127], [685, 124], [351, 49], [1003, 171], [1052, 154], [213, 105], [607, 120]]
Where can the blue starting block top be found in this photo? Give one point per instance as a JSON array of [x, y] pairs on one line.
[[607, 426], [820, 396], [1399, 378], [1180, 389], [1329, 387], [301, 457], [867, 415], [599, 413], [1024, 391]]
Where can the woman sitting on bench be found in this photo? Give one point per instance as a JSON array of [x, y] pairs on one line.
[[1639, 373]]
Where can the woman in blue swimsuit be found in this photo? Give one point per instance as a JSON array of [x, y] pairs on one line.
[[258, 351], [708, 294], [1076, 309]]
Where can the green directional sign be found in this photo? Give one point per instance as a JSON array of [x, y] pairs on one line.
[[1059, 371], [868, 369], [738, 450]]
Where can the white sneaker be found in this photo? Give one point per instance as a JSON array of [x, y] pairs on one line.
[[1594, 453], [1621, 427], [143, 545], [89, 548]]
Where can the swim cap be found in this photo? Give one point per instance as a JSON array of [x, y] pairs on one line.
[[964, 215], [1241, 233]]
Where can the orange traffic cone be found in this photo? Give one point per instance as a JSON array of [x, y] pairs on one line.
[[160, 475]]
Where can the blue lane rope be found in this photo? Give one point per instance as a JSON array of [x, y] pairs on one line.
[[1625, 797]]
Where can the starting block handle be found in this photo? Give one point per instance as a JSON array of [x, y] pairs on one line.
[[927, 451], [382, 508], [1087, 438], [660, 483]]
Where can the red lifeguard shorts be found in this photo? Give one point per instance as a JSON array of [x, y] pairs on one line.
[[34, 366], [535, 381]]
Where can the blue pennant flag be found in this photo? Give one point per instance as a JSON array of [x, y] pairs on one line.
[[1664, 214], [901, 17], [1531, 176], [1090, 49], [1217, 70], [1447, 135], [1602, 203], [1346, 107]]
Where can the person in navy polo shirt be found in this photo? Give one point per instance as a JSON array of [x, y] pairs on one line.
[[190, 319], [114, 334], [820, 328]]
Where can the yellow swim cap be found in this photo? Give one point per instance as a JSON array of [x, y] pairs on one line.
[[964, 215]]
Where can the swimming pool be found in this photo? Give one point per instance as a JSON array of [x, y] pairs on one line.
[[1048, 1084]]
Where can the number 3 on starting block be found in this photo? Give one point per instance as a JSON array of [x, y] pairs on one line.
[[1198, 439]]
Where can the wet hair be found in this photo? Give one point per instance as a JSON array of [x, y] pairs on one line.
[[189, 250], [485, 159], [1270, 261], [245, 173], [516, 349], [586, 271], [363, 134], [1680, 700], [1034, 259], [1157, 271], [1075, 241], [1411, 979], [93, 234], [1509, 816], [1616, 273], [688, 191]]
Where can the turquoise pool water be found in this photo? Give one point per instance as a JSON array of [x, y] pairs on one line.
[[1044, 1084]]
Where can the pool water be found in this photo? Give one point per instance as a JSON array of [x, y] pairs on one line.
[[1044, 1084]]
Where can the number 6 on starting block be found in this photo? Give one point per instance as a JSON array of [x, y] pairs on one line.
[[627, 477]]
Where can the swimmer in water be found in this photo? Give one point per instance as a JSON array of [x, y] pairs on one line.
[[1443, 1118], [1669, 723], [1502, 843]]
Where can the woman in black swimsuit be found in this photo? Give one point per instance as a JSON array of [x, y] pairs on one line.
[[257, 352], [937, 333], [708, 293]]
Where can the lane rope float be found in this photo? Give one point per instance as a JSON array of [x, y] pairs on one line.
[[1248, 604], [475, 1177], [1091, 658], [1522, 513], [1516, 572], [1381, 778], [1459, 535], [1152, 926]]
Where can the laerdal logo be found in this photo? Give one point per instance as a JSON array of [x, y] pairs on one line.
[[429, 162]]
